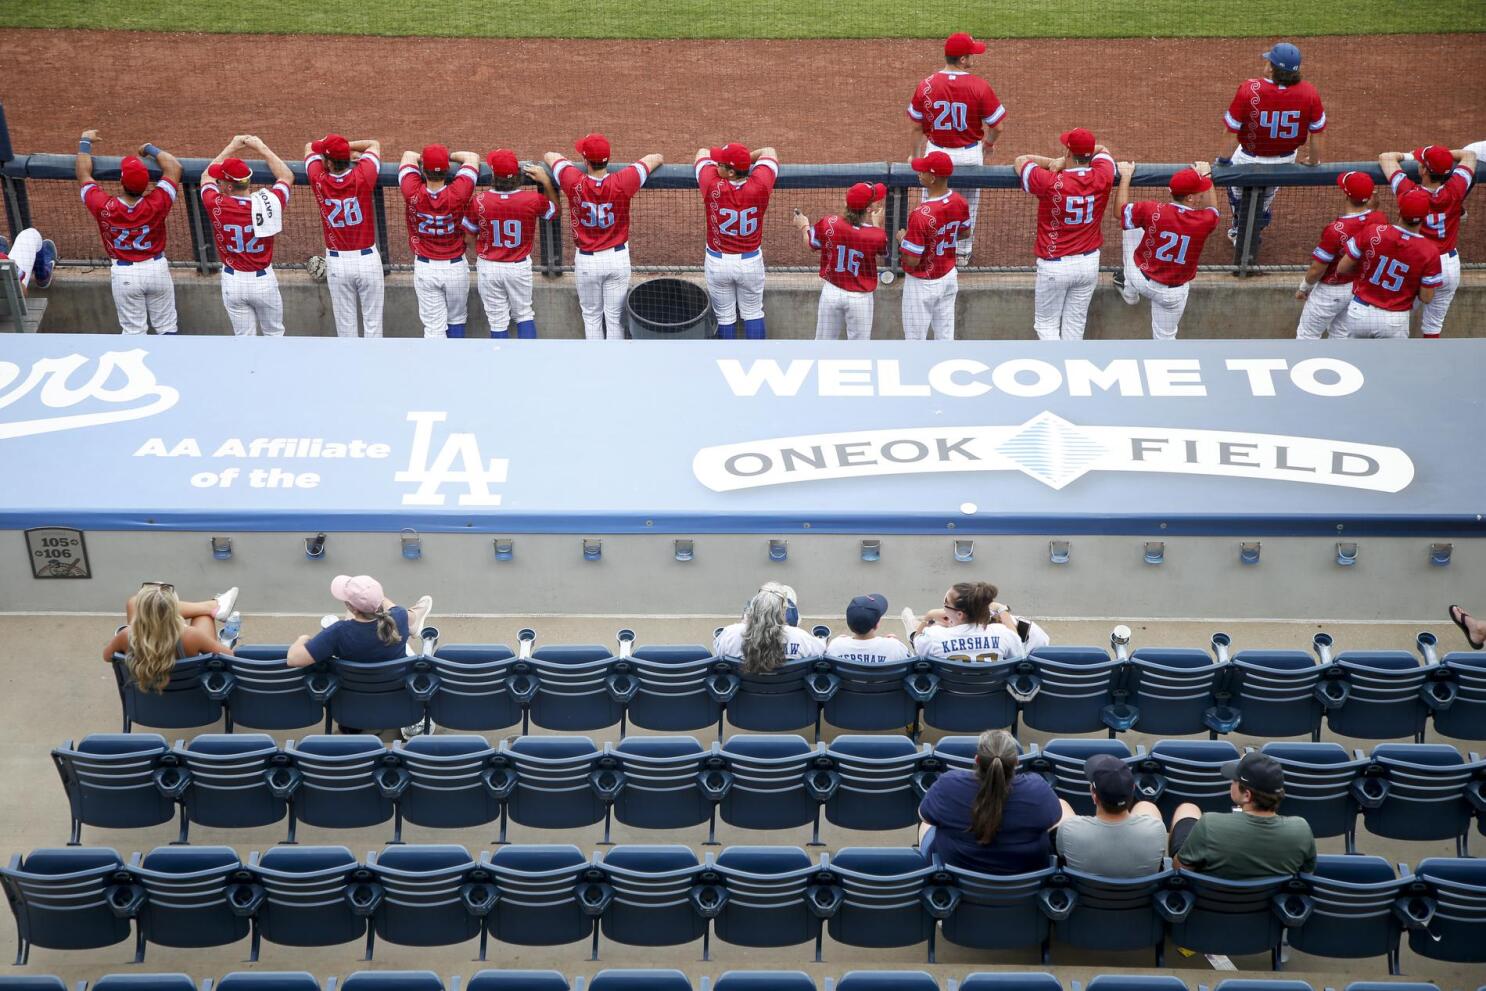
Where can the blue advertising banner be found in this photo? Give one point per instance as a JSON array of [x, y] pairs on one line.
[[1256, 437]]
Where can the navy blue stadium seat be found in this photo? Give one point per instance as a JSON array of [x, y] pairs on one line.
[[1238, 918], [968, 697], [1384, 695], [877, 782], [32, 982], [660, 786], [1177, 690], [657, 900], [1458, 931], [998, 912], [482, 687], [431, 896], [1012, 982], [194, 897], [1465, 717], [345, 782], [958, 752], [776, 896], [1249, 984], [1061, 762], [382, 695], [266, 693], [681, 687], [1355, 915], [764, 980], [640, 980], [75, 898], [238, 780], [1275, 693], [454, 782], [866, 697], [1113, 913], [1177, 771], [1138, 982], [393, 980], [1391, 986], [546, 895], [258, 980], [1075, 687], [182, 704], [316, 896], [111, 781], [555, 786], [144, 982], [1423, 791], [580, 690], [777, 782], [883, 890], [1321, 786], [887, 980], [775, 702], [518, 980]]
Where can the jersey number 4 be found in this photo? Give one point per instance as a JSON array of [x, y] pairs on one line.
[[122, 240], [1389, 274], [738, 223], [951, 116], [1282, 124], [344, 212]]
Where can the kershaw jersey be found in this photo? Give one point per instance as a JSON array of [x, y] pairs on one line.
[[1273, 120], [798, 644], [848, 254], [231, 218], [505, 223], [131, 233], [873, 650], [933, 228], [954, 108], [735, 209], [1446, 205], [1070, 206], [1395, 264], [1334, 241], [1174, 236], [970, 644], [599, 208], [345, 198], [434, 216]]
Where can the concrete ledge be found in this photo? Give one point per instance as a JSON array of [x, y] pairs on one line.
[[991, 307]]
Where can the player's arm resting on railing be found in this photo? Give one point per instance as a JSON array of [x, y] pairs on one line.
[[462, 158], [543, 180], [366, 146], [1466, 157], [1053, 164], [1209, 198], [1312, 153], [653, 162], [83, 168], [281, 172], [701, 154], [409, 158], [1390, 163], [766, 152], [802, 224], [170, 166], [1122, 194]]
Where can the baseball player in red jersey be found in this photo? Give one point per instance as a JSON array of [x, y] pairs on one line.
[[503, 221], [132, 226], [343, 177], [435, 213], [1325, 291], [1273, 117], [735, 185], [960, 115], [598, 209], [1162, 242], [848, 246], [1447, 176], [250, 289], [927, 249], [1072, 193], [1394, 265]]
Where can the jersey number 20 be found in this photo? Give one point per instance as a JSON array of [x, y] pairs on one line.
[[951, 116]]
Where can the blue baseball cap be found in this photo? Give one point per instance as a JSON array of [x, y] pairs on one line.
[[865, 611], [1283, 56]]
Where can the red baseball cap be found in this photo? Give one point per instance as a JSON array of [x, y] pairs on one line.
[[593, 147], [959, 44], [935, 162], [133, 175], [1414, 205], [864, 194], [733, 155], [503, 162], [1080, 141], [1436, 158], [435, 158], [332, 146], [1188, 181], [234, 169], [1358, 185]]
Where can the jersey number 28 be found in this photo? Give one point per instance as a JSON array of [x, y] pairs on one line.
[[344, 212]]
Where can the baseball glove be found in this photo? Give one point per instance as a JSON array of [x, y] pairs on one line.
[[316, 267]]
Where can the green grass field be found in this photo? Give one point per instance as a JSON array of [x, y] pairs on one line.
[[664, 19]]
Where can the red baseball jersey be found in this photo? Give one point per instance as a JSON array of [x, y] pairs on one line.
[[345, 199], [505, 224], [231, 218], [954, 108], [434, 216], [1070, 206], [1334, 241], [599, 208], [131, 233], [848, 254], [1272, 120], [735, 210], [933, 229], [1174, 236], [1395, 263], [1446, 205]]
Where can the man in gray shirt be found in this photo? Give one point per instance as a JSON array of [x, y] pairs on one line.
[[1124, 838]]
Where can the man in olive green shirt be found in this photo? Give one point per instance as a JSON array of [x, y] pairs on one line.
[[1254, 842]]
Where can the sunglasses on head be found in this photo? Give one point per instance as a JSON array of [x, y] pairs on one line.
[[948, 604], [162, 586]]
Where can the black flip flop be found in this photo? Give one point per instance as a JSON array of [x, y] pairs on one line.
[[1457, 616]]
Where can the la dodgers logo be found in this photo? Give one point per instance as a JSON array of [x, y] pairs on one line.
[[462, 449], [50, 380]]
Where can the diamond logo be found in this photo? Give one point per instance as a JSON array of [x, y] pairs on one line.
[[1052, 450]]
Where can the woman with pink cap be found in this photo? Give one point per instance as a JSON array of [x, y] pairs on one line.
[[374, 627]]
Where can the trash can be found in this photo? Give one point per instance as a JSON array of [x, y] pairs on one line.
[[669, 310]]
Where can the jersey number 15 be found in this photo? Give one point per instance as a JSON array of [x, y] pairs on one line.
[[1389, 274]]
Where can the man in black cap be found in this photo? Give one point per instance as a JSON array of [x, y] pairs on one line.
[[865, 645], [1123, 838], [1252, 842]]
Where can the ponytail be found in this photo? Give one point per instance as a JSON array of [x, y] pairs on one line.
[[974, 600], [387, 627], [995, 765]]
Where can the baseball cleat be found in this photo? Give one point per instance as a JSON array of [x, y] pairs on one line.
[[1233, 235], [46, 265], [1119, 279], [4, 245]]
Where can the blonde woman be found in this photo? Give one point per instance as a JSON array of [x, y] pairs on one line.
[[162, 629], [769, 634]]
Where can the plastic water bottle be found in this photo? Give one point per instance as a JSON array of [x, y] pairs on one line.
[[232, 627]]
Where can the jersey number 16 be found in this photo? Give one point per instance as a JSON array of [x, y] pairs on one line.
[[848, 260]]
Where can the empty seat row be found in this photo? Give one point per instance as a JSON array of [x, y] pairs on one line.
[[1379, 695], [1406, 791], [667, 980], [746, 896]]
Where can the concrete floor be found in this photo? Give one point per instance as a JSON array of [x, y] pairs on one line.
[[57, 688]]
